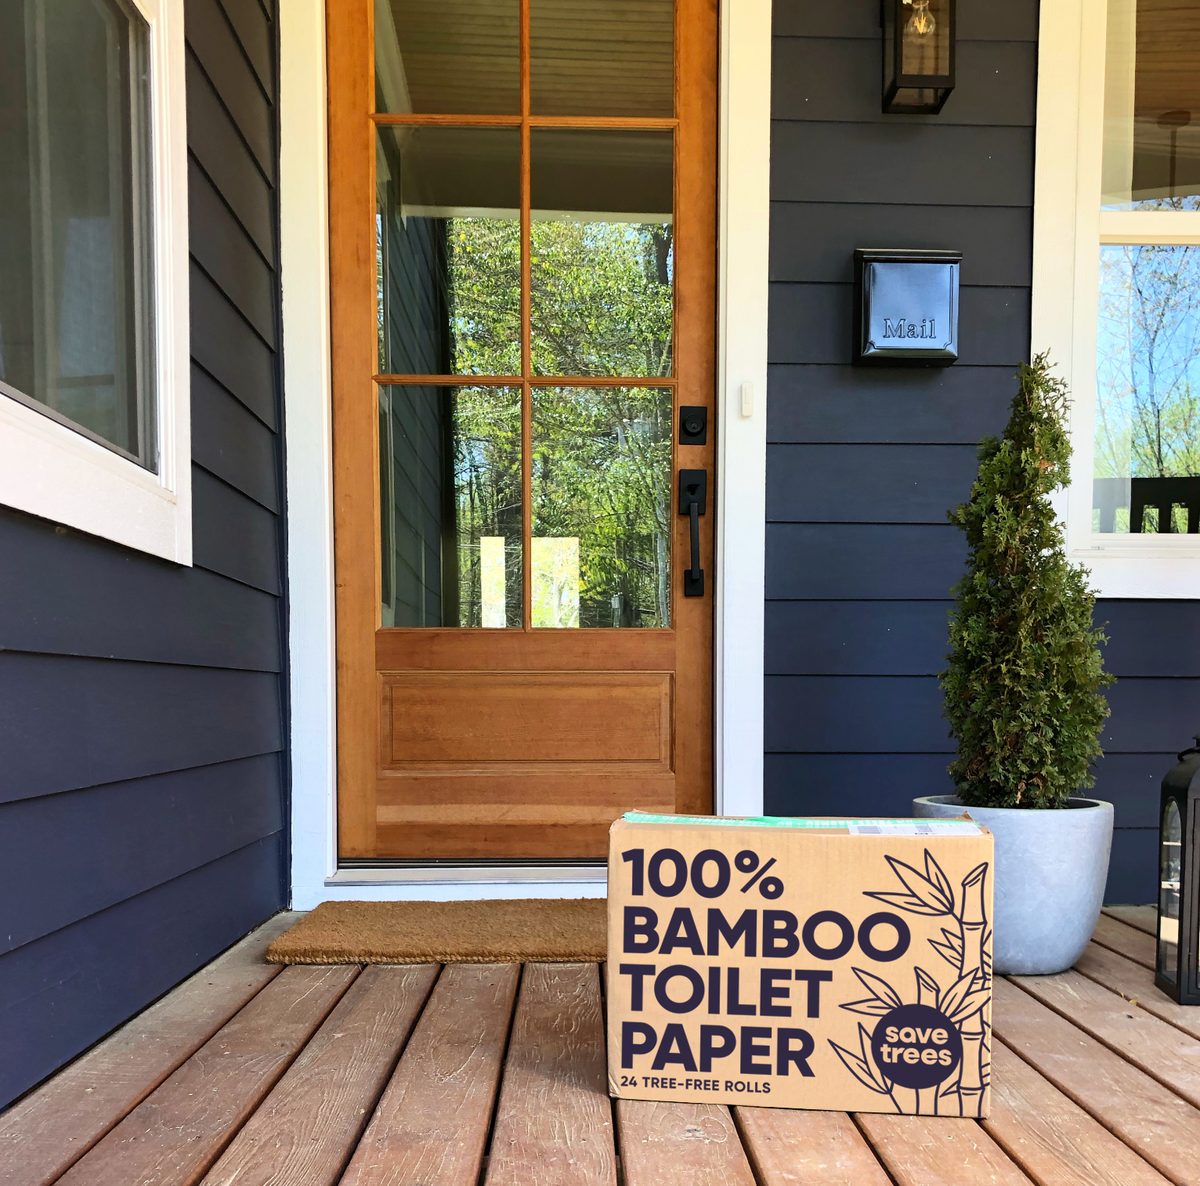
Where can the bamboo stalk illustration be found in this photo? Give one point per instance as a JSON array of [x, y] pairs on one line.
[[964, 948], [972, 923]]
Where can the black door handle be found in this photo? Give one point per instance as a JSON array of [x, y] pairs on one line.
[[693, 492]]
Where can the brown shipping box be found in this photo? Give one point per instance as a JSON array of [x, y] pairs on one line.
[[801, 963]]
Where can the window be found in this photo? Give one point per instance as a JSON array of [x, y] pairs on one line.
[[1117, 281], [93, 342]]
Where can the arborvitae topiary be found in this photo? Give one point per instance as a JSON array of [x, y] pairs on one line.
[[1022, 689]]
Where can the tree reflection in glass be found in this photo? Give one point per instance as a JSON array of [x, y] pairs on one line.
[[601, 506], [1147, 387]]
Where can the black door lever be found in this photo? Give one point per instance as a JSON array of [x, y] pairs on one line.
[[693, 492]]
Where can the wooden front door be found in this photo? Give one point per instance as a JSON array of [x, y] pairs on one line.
[[523, 224]]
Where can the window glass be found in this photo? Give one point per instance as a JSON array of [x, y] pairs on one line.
[[450, 505], [75, 297], [602, 252], [448, 250], [1147, 443], [601, 57], [602, 513], [1152, 106], [448, 57]]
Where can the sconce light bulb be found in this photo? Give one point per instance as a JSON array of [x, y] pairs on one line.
[[921, 23]]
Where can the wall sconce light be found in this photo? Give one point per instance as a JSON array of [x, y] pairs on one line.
[[1176, 969], [918, 55]]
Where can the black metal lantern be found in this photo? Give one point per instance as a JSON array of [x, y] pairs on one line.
[[1176, 972], [918, 55]]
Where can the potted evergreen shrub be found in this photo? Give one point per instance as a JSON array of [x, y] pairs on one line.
[[1022, 691]]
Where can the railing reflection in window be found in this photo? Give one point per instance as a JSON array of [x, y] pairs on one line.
[[1147, 434]]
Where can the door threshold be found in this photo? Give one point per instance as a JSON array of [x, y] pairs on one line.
[[577, 873]]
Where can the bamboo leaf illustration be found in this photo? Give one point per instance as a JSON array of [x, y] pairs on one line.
[[947, 952], [971, 1003], [958, 992], [864, 1042], [880, 989], [858, 1068], [928, 990], [908, 902], [869, 1006], [930, 895], [935, 876]]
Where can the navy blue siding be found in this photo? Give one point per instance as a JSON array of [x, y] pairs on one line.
[[862, 464], [142, 714]]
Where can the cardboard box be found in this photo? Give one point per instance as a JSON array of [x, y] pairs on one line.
[[801, 963]]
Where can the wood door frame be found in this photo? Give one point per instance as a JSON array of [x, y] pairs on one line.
[[743, 190]]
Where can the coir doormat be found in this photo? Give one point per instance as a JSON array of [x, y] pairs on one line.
[[529, 930]]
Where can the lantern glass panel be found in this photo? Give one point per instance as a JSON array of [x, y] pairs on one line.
[[1170, 869], [924, 39]]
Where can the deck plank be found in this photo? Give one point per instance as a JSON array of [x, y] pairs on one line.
[[1159, 1049], [1136, 984], [1054, 1140], [792, 1148], [1125, 940], [44, 1134], [1142, 918], [174, 1135], [938, 1151], [432, 1122], [1150, 1118], [304, 1132], [554, 1119], [685, 1144]]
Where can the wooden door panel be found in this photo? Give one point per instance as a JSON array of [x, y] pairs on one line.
[[494, 718]]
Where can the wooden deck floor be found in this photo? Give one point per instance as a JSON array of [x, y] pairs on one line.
[[494, 1075]]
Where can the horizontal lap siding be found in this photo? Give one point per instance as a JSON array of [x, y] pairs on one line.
[[142, 722], [863, 464]]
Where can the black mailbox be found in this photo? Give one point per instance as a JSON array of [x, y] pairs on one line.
[[905, 307]]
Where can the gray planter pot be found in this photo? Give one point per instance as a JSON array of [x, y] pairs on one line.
[[1051, 868]]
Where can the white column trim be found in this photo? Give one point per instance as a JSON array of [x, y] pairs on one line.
[[741, 497]]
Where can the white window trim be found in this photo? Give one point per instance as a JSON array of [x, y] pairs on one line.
[[1068, 229], [741, 476], [50, 470]]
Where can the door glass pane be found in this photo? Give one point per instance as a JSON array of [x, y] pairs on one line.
[[602, 513], [602, 253], [1152, 106], [75, 233], [1147, 435], [448, 250], [450, 505], [447, 57], [601, 57]]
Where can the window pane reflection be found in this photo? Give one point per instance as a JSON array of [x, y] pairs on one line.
[[1152, 106], [602, 513], [76, 335], [450, 505], [448, 250], [450, 57], [1147, 436], [602, 57], [602, 252]]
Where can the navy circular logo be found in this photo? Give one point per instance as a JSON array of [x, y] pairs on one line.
[[916, 1046]]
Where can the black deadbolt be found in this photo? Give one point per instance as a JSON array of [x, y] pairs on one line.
[[693, 425]]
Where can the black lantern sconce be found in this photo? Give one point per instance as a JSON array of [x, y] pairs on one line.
[[1176, 971], [918, 55]]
